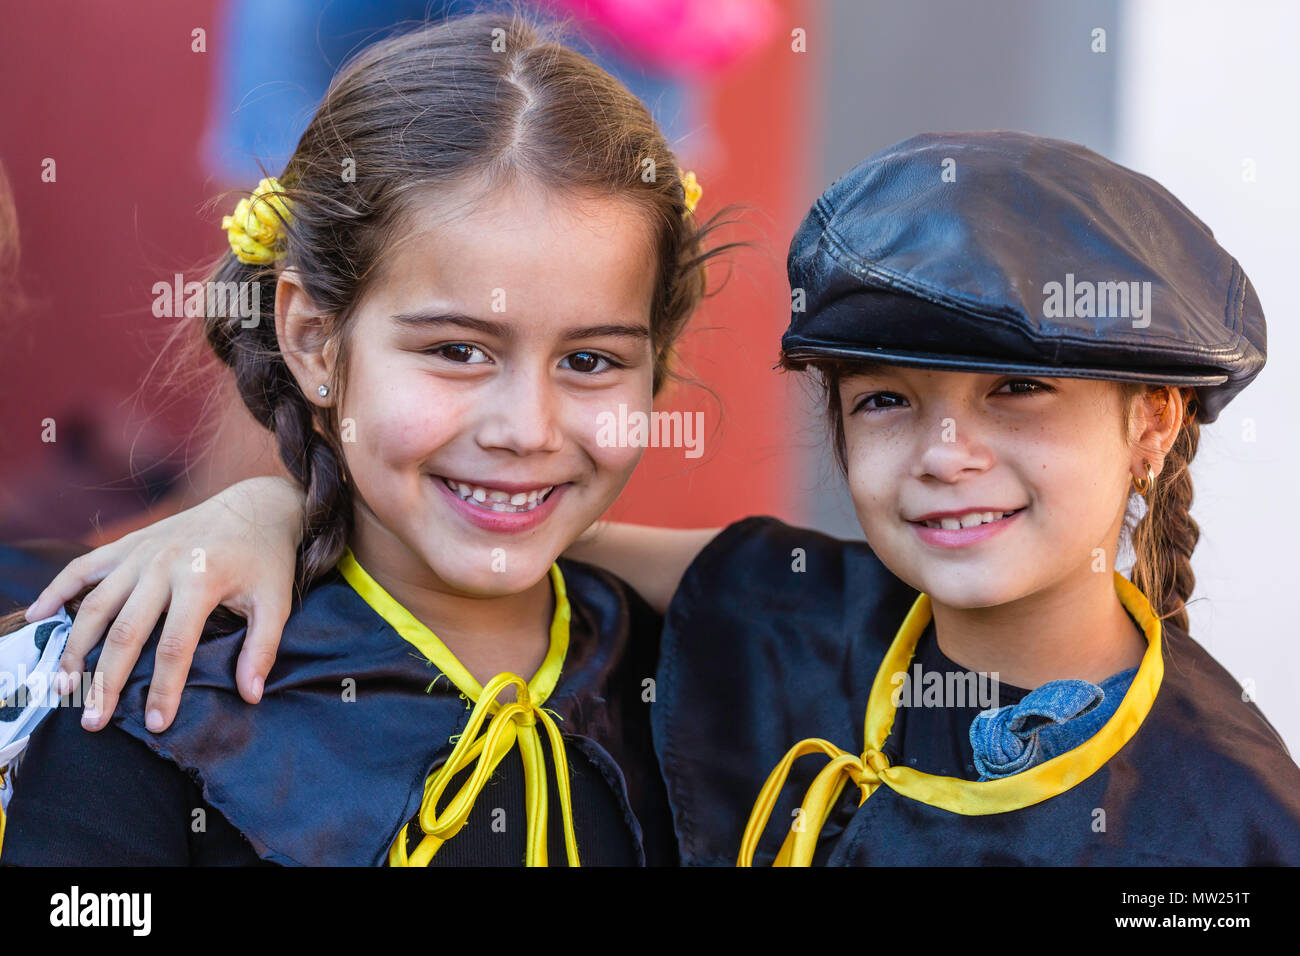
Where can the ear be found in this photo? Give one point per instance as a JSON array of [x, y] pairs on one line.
[[1157, 418], [306, 342]]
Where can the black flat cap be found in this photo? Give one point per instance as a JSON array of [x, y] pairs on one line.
[[998, 251]]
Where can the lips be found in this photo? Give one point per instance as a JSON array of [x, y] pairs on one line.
[[513, 499], [952, 520], [492, 507], [963, 536]]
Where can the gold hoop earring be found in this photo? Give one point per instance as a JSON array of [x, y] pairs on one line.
[[1143, 485]]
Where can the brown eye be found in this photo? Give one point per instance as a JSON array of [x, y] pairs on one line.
[[461, 353], [1034, 387], [587, 362], [887, 397]]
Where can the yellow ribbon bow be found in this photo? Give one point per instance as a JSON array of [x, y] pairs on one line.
[[819, 801], [257, 225], [513, 721], [692, 188]]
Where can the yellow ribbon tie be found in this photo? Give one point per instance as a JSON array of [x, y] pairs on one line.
[[257, 225], [820, 799], [512, 722]]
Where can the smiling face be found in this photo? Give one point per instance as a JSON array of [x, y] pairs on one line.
[[476, 368], [922, 443]]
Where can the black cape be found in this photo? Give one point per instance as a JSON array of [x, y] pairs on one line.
[[311, 779], [757, 656]]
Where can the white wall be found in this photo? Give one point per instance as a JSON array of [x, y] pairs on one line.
[[1203, 87]]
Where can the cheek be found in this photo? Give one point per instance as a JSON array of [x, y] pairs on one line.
[[589, 423], [873, 477], [399, 418], [1075, 475]]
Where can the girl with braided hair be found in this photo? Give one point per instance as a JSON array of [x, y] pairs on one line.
[[469, 263], [1017, 364]]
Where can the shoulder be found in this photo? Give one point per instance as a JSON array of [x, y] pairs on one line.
[[1202, 697], [762, 544], [1204, 727], [613, 635], [347, 699], [328, 624], [606, 595], [800, 582]]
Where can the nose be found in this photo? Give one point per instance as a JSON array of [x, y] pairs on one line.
[[520, 410], [951, 446]]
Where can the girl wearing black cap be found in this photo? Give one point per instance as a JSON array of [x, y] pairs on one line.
[[1019, 341]]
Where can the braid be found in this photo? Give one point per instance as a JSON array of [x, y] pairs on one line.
[[1165, 537], [312, 459], [272, 395]]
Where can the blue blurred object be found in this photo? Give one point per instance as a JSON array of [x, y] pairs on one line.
[[275, 61]]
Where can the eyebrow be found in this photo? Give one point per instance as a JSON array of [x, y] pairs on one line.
[[505, 331]]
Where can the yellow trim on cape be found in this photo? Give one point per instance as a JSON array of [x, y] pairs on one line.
[[967, 797], [415, 632]]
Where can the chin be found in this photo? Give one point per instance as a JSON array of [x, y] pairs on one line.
[[479, 576], [989, 587]]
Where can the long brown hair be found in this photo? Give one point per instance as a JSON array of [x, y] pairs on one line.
[[486, 98], [1163, 535]]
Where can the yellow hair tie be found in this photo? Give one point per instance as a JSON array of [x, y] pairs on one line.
[[692, 188], [257, 226]]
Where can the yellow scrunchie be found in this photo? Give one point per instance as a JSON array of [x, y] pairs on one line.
[[257, 226], [692, 188]]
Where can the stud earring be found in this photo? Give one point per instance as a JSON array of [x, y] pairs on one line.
[[323, 390]]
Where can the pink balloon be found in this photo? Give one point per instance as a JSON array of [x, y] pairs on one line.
[[677, 37]]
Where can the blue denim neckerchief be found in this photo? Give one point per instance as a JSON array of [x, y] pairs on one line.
[[1048, 721]]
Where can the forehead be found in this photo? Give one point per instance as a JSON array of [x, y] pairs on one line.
[[522, 250]]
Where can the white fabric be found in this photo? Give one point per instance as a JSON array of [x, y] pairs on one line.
[[26, 665]]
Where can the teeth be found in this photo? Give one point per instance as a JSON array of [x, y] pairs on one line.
[[496, 500], [968, 520]]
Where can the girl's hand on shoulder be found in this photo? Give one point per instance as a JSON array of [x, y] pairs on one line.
[[237, 549]]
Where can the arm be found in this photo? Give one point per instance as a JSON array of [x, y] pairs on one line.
[[650, 559], [238, 549]]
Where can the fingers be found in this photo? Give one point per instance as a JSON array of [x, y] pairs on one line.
[[82, 571], [173, 656], [122, 645], [93, 617], [261, 641]]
